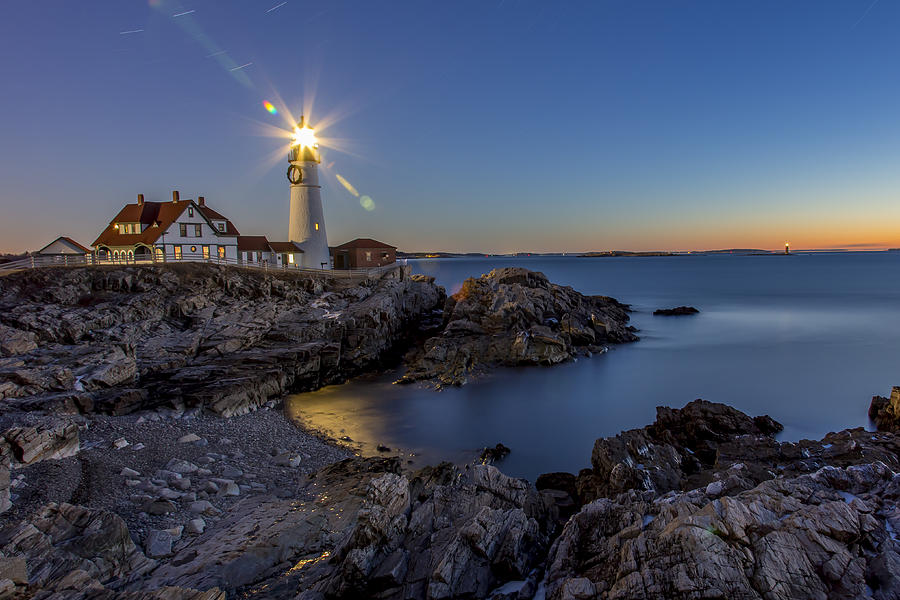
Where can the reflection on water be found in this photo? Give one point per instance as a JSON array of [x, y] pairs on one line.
[[807, 339]]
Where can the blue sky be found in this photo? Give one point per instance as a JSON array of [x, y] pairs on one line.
[[473, 126]]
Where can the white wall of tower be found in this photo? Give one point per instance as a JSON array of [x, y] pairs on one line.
[[307, 217]]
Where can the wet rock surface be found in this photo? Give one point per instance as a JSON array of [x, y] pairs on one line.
[[120, 339], [514, 316]]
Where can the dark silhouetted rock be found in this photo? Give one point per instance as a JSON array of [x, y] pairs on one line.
[[676, 312], [497, 453]]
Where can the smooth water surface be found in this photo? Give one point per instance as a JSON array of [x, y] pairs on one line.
[[806, 338]]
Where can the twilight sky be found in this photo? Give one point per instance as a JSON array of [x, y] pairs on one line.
[[491, 125]]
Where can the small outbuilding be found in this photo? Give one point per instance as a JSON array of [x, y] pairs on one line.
[[63, 248], [363, 253], [257, 249], [287, 254]]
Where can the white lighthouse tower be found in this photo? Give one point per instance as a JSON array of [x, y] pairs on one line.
[[307, 221]]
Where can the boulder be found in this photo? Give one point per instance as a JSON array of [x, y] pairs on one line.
[[158, 543], [54, 439]]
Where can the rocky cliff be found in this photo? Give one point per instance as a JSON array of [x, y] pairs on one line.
[[513, 317], [116, 340]]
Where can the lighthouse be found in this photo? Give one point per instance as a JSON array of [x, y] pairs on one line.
[[307, 219]]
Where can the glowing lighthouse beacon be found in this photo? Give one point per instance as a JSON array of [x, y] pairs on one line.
[[307, 222]]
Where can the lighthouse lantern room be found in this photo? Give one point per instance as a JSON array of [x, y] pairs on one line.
[[307, 218]]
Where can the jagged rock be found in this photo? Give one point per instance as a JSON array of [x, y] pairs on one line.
[[53, 440], [706, 443], [121, 339], [514, 316], [676, 312], [73, 553], [443, 533], [14, 341], [885, 412], [824, 535], [64, 537]]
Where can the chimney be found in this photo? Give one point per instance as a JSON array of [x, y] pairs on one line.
[[140, 199], [175, 196], [201, 200]]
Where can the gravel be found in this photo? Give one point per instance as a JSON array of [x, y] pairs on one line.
[[231, 462]]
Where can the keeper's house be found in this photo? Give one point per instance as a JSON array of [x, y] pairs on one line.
[[363, 253], [179, 230]]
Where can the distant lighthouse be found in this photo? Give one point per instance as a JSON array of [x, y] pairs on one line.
[[307, 220]]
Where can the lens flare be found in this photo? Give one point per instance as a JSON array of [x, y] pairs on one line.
[[304, 136], [270, 107], [367, 203], [347, 185]]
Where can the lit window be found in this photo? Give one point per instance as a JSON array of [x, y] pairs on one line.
[[205, 251], [291, 258], [178, 252], [221, 251], [194, 249], [317, 226], [368, 256], [159, 253]]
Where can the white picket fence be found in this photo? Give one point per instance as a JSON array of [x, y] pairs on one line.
[[39, 261]]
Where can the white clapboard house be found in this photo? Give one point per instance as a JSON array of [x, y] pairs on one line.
[[175, 230]]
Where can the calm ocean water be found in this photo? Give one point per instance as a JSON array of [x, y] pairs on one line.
[[807, 339]]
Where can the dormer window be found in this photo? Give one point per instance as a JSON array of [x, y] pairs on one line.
[[221, 226]]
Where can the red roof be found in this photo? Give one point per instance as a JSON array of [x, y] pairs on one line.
[[289, 247], [253, 243], [363, 243], [213, 215], [157, 217]]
